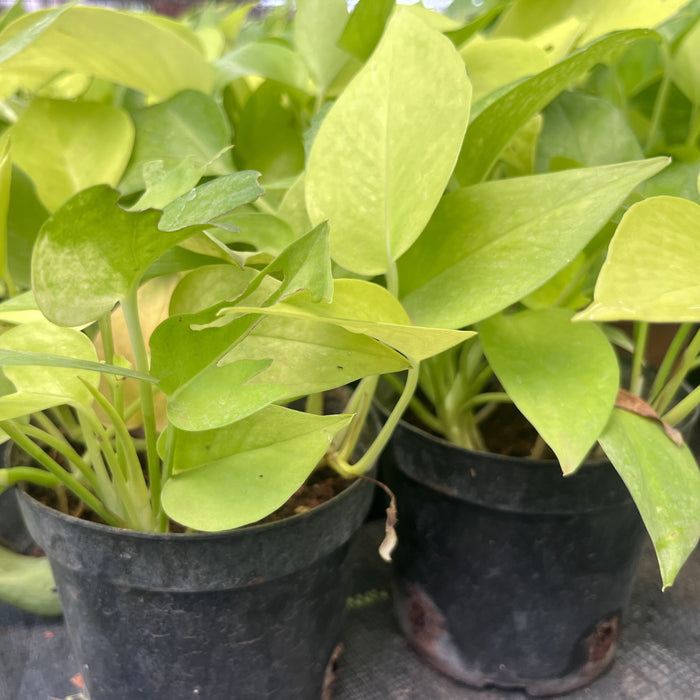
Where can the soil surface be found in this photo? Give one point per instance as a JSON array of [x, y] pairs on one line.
[[320, 487]]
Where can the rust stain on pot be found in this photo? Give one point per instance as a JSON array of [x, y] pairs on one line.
[[331, 673], [602, 639], [427, 622]]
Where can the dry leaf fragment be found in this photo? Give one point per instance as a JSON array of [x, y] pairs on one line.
[[634, 404]]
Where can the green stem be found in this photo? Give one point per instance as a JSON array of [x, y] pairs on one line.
[[661, 99], [138, 345], [64, 448], [360, 405], [641, 334], [133, 490], [169, 459], [314, 404], [107, 337], [683, 408], [48, 425], [375, 449], [669, 360], [418, 408], [106, 488], [33, 475], [674, 383], [35, 452], [392, 276], [486, 397], [63, 416]]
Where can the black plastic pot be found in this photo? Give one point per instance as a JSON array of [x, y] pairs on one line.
[[247, 614], [507, 573]]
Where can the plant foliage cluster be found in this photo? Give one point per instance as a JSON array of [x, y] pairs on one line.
[[204, 219]]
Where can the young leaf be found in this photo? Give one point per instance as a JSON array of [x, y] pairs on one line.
[[318, 25], [13, 42], [78, 272], [563, 377], [280, 359], [664, 481], [651, 271], [24, 219], [269, 134], [478, 256], [188, 125], [156, 58], [237, 475], [64, 381], [527, 17], [685, 71], [495, 126], [268, 59], [306, 265], [585, 129], [368, 309], [67, 146], [493, 63], [371, 171], [215, 198], [365, 27]]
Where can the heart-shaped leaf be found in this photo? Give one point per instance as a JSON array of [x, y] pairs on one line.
[[188, 125], [210, 200], [67, 146], [372, 172], [318, 25], [563, 377], [237, 475], [78, 271], [651, 271], [157, 58], [65, 381]]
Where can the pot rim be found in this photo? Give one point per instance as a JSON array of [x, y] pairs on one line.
[[192, 536]]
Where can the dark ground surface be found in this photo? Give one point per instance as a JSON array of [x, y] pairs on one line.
[[659, 657]]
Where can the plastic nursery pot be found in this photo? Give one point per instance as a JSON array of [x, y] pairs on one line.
[[506, 573], [13, 531], [244, 614]]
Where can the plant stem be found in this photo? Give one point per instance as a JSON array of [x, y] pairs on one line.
[[418, 408], [641, 334], [661, 99], [64, 448], [106, 488], [66, 478], [33, 475], [669, 360], [683, 407], [392, 276], [669, 391], [314, 404], [375, 449], [138, 345]]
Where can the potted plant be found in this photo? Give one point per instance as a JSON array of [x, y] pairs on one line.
[[134, 246], [512, 250]]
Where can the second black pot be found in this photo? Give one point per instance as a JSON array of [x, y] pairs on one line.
[[250, 614], [507, 573]]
